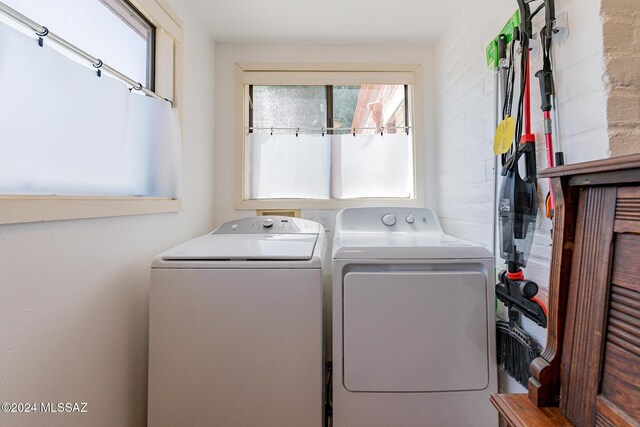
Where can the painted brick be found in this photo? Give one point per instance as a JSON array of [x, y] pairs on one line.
[[631, 7], [623, 69], [619, 32], [624, 140], [624, 107]]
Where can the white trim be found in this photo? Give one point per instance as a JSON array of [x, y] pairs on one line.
[[323, 74], [22, 209]]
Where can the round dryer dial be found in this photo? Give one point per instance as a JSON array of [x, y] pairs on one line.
[[267, 223], [389, 219], [410, 219]]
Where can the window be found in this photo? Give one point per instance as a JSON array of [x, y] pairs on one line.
[[347, 140], [77, 143], [110, 29]]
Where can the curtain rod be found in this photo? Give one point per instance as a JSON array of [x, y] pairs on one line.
[[323, 130], [42, 31]]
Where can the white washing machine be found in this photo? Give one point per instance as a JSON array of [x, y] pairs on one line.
[[236, 327], [413, 323]]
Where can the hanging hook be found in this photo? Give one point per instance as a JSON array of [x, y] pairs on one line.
[[41, 35], [98, 65], [322, 130], [297, 132]]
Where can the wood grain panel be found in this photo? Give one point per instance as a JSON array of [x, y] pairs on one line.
[[544, 383], [608, 415], [608, 167], [628, 210], [591, 179], [621, 380], [587, 304], [626, 262], [602, 421], [624, 319], [518, 411], [629, 202]]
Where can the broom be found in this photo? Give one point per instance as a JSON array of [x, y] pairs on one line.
[[516, 349]]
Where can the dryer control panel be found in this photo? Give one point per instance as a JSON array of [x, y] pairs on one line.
[[372, 220], [270, 225]]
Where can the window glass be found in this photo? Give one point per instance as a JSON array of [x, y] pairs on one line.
[[289, 107], [367, 108], [110, 30]]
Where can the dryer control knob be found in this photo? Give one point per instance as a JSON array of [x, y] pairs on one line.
[[267, 223], [410, 219], [389, 219]]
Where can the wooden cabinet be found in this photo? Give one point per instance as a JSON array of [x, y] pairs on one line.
[[590, 368]]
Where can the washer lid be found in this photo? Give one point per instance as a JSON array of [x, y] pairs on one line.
[[244, 247]]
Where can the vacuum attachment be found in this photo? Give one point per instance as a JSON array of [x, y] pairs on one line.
[[517, 293], [516, 348]]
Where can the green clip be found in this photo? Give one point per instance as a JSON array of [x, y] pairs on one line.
[[492, 50]]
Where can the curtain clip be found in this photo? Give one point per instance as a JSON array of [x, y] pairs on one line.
[[271, 131], [406, 129], [98, 65], [381, 130], [41, 35], [322, 130], [354, 132], [297, 132]]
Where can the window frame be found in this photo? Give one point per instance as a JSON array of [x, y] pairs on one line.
[[168, 82], [131, 16], [325, 75]]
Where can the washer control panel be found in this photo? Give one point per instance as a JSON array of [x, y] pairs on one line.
[[387, 219], [269, 225]]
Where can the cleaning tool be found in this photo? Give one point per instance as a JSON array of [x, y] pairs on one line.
[[517, 212], [547, 92]]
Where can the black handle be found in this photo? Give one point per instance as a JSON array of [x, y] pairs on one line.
[[502, 46], [546, 88]]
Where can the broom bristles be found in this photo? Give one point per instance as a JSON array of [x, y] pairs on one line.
[[516, 351]]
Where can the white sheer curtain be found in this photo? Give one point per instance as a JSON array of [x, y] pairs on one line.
[[283, 166], [289, 167], [372, 166], [63, 130]]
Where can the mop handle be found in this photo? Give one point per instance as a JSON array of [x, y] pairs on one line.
[[548, 136]]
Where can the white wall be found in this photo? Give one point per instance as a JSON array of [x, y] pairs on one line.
[[465, 119], [74, 294], [228, 54]]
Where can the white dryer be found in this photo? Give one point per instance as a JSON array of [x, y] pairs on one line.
[[413, 323], [236, 327]]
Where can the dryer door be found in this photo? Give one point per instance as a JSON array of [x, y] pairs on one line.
[[415, 331]]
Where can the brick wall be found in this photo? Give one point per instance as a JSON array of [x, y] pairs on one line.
[[465, 118], [621, 28]]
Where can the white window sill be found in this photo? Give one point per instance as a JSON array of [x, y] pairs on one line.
[[335, 204], [22, 209]]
